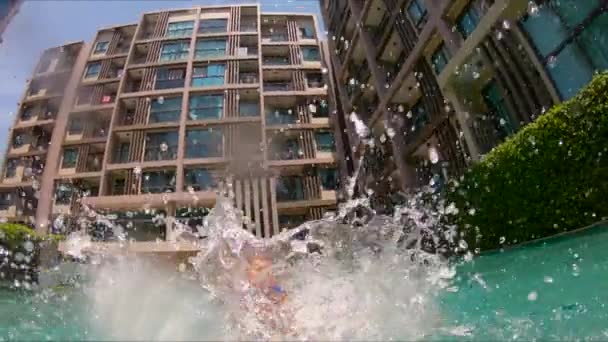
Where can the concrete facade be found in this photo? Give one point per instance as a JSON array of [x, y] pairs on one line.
[[153, 116], [442, 82], [9, 9]]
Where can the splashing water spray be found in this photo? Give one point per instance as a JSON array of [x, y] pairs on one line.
[[353, 276]]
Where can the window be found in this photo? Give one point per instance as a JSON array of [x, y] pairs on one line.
[[319, 108], [213, 26], [204, 143], [420, 116], [27, 113], [281, 116], [174, 51], [503, 121], [249, 108], [206, 107], [11, 168], [75, 126], [311, 54], [467, 22], [307, 32], [325, 141], [18, 140], [199, 179], [161, 146], [417, 12], [287, 148], [70, 156], [92, 70], [167, 110], [121, 153], [210, 48], [329, 178], [156, 182], [101, 47], [169, 78], [63, 193], [209, 75], [290, 188], [5, 200], [440, 59], [572, 47], [180, 28]]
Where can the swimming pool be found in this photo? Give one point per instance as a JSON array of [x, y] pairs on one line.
[[554, 289]]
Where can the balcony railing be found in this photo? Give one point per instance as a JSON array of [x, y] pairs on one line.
[[248, 78], [168, 152], [286, 151], [289, 189], [280, 118], [249, 27], [278, 60], [277, 86], [276, 37]]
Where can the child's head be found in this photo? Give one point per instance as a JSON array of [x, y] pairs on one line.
[[259, 270]]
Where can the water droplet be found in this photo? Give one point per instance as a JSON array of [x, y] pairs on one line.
[[576, 271], [532, 296], [19, 257], [548, 279], [433, 155], [552, 62], [164, 147], [472, 211], [502, 122], [383, 138], [137, 170], [476, 75], [409, 114], [29, 246], [160, 100], [506, 25], [502, 240], [390, 132], [463, 244], [533, 9]]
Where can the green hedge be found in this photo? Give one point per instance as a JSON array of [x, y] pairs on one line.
[[12, 235], [550, 177]]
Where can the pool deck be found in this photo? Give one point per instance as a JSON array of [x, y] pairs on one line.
[[139, 247]]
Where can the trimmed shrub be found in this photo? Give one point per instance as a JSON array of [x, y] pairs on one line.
[[550, 177]]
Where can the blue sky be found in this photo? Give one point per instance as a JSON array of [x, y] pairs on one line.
[[41, 24]]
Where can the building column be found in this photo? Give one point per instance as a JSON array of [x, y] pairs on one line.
[[461, 116]]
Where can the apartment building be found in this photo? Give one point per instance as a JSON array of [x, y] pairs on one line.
[[153, 116], [442, 82], [8, 9]]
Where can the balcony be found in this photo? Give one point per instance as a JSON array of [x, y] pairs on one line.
[[161, 146], [275, 60], [248, 78], [289, 189], [278, 86], [161, 152], [285, 147], [93, 162], [281, 117], [32, 114], [315, 80], [157, 182], [275, 37]]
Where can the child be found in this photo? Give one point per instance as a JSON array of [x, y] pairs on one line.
[[270, 309]]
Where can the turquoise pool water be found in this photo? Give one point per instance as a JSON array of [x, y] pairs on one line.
[[556, 289], [553, 290]]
